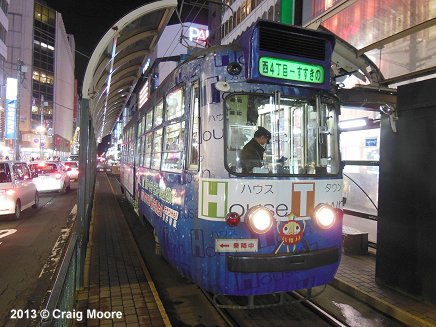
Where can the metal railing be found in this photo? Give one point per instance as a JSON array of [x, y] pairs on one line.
[[62, 297], [70, 277]]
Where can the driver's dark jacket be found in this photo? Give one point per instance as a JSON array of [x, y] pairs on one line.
[[251, 156]]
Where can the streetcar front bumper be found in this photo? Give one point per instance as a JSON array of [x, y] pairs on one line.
[[254, 263]]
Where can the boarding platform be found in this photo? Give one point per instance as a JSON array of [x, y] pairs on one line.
[[116, 278], [356, 276]]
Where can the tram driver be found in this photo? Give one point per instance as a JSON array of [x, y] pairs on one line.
[[252, 153]]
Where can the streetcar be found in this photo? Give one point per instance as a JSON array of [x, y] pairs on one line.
[[275, 228]]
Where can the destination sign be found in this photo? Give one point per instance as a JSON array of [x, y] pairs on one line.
[[291, 70]]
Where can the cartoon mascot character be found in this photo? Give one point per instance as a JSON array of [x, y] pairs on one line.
[[291, 232]]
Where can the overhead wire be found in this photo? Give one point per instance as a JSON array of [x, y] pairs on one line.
[[198, 12], [172, 47]]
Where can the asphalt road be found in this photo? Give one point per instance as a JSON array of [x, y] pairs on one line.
[[29, 251]]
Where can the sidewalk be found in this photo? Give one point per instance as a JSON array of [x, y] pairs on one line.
[[119, 282]]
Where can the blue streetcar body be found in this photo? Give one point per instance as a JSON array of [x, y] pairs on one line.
[[187, 194]]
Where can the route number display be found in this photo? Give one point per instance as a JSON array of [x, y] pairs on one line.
[[291, 70]]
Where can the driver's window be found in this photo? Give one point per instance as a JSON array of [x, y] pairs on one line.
[[242, 113], [302, 139]]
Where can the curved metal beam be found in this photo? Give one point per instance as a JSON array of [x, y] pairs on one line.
[[87, 90], [116, 73], [135, 38]]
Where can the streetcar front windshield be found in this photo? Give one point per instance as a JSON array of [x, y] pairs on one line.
[[303, 136]]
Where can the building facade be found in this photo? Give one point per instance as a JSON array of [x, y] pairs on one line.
[[40, 55], [4, 25]]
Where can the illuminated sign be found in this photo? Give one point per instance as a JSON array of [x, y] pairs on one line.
[[198, 34], [11, 107], [291, 70], [146, 65], [143, 95]]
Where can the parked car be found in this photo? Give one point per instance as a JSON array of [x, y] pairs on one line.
[[17, 190], [52, 176], [72, 169]]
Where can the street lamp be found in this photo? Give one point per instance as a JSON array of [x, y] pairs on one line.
[[40, 129]]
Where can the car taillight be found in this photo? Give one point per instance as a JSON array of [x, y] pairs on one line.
[[58, 176]]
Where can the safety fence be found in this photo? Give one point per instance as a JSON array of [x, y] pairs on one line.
[[70, 274]]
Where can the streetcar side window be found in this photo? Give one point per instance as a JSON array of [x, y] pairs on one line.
[[140, 130], [131, 146], [174, 136], [158, 114], [147, 152], [149, 120], [156, 149], [138, 151], [142, 151], [193, 154], [174, 104]]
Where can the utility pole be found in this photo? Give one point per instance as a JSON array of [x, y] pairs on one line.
[[21, 69], [42, 129]]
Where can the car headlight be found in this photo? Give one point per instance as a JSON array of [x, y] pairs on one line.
[[324, 216], [259, 219]]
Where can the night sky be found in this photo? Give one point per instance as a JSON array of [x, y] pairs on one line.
[[89, 20]]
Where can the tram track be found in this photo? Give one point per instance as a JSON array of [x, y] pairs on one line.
[[291, 298], [319, 311]]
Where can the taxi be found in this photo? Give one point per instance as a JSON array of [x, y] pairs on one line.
[[17, 190], [52, 176], [72, 169]]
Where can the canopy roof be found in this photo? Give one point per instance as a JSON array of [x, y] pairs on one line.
[[398, 36], [117, 62]]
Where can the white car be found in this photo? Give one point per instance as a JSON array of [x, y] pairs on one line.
[[17, 191], [51, 176], [72, 169]]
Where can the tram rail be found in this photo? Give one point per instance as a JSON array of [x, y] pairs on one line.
[[286, 299]]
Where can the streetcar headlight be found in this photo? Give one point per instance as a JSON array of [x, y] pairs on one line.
[[324, 216], [259, 219]]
